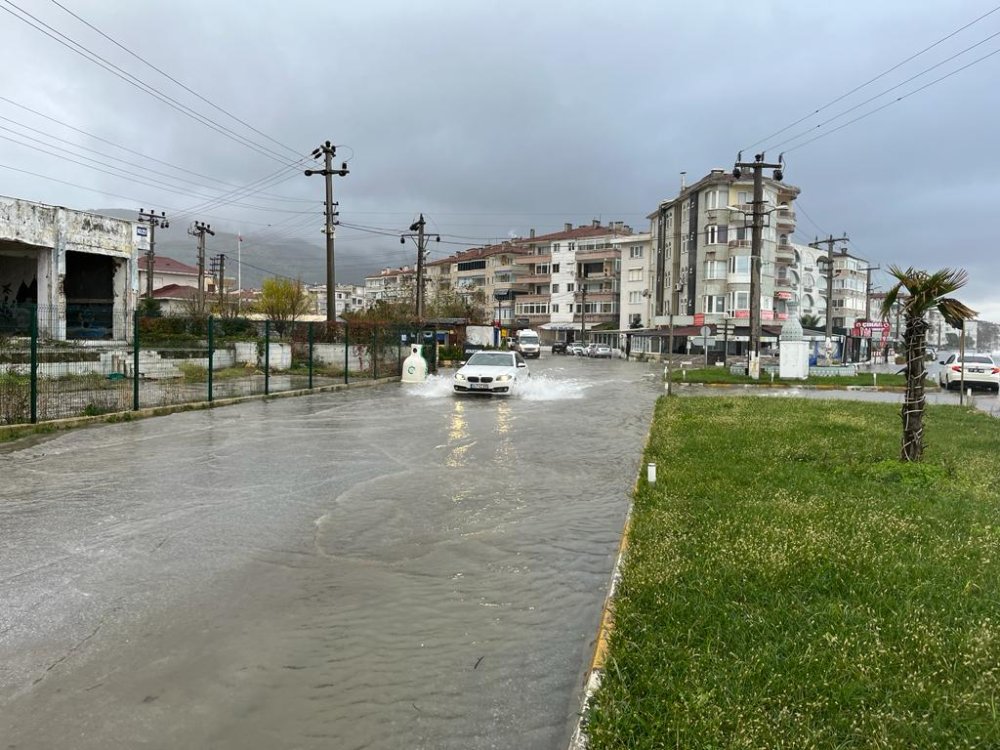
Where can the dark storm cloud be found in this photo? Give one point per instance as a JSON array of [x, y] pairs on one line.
[[497, 117]]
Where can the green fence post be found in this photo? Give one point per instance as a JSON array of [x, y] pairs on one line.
[[310, 356], [347, 354], [211, 356], [399, 351], [34, 364], [135, 361], [267, 357]]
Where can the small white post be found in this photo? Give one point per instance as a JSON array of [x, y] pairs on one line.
[[651, 473]]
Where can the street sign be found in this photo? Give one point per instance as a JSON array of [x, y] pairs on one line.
[[706, 332]]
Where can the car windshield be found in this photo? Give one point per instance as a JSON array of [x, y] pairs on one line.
[[975, 360], [491, 359]]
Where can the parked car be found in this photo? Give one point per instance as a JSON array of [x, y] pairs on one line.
[[601, 351], [558, 347], [490, 372], [575, 348], [589, 350], [974, 369]]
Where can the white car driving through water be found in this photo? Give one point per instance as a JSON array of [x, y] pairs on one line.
[[491, 372]]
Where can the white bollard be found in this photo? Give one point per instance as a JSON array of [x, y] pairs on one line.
[[651, 473]]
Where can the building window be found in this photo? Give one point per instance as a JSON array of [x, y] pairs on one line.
[[555, 247], [711, 234], [739, 264], [739, 300], [715, 303], [635, 251], [635, 298], [555, 268], [569, 287], [635, 274], [715, 269], [555, 289], [555, 307], [716, 198]]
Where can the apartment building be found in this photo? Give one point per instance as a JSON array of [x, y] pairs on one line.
[[702, 252], [485, 275], [390, 285], [349, 297], [572, 278]]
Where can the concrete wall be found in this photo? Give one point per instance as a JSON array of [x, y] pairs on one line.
[[48, 233]]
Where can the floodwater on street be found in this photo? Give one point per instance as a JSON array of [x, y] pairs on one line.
[[376, 568]]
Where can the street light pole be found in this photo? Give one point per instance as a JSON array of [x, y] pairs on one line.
[[756, 248], [417, 231]]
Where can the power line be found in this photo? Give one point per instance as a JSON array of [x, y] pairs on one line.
[[122, 173], [171, 78], [127, 149], [894, 101], [132, 80], [100, 191], [876, 78], [883, 93]]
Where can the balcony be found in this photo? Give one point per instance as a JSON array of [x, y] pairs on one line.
[[593, 255], [784, 253], [527, 260], [740, 243], [784, 282]]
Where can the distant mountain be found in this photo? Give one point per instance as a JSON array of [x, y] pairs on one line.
[[262, 258]]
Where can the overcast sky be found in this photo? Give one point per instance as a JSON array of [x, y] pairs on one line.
[[493, 118]]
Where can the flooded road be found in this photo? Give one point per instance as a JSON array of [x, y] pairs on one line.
[[378, 568]]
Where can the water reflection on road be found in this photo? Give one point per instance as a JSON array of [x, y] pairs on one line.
[[380, 568]]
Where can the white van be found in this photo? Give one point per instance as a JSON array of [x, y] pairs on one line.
[[528, 344]]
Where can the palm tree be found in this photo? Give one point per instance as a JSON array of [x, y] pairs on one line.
[[919, 292], [810, 321]]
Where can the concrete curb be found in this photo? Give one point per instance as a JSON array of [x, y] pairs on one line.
[[13, 434], [579, 740], [787, 386]]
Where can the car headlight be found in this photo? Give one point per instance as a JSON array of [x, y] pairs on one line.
[[459, 376], [504, 378]]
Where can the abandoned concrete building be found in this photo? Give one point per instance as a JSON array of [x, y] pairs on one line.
[[78, 268]]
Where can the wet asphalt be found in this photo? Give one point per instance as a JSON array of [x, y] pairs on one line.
[[379, 568]]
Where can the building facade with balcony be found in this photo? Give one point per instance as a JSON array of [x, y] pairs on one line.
[[390, 285], [487, 276], [572, 279], [702, 252]]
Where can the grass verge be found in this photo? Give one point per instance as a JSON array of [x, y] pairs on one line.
[[790, 584], [722, 375]]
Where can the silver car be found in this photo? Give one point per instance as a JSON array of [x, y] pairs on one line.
[[489, 372]]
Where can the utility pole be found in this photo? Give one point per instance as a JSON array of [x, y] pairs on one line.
[[239, 271], [583, 312], [417, 232], [219, 274], [154, 221], [829, 242], [868, 290], [756, 252], [328, 151], [199, 229]]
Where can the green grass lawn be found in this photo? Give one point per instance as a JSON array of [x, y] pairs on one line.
[[789, 584], [722, 375]]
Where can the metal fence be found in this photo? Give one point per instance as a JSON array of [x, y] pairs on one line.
[[128, 362]]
